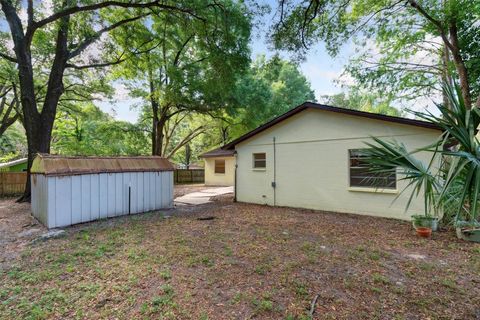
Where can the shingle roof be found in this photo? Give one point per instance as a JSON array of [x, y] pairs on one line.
[[219, 152]]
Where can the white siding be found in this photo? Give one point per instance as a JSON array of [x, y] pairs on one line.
[[63, 201]]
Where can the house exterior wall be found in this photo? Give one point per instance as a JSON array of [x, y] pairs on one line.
[[59, 201], [312, 164], [219, 179]]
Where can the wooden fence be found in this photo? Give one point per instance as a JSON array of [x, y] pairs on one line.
[[189, 176], [12, 183]]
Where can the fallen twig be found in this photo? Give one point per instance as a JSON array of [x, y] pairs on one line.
[[206, 218], [312, 306]]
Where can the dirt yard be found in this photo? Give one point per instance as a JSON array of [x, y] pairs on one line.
[[250, 262], [17, 229]]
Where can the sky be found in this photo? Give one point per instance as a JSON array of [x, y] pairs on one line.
[[319, 68]]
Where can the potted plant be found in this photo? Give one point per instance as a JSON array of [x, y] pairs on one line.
[[425, 221], [424, 232]]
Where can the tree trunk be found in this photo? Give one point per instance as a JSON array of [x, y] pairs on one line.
[[39, 142], [460, 66], [446, 78], [39, 127], [159, 136], [188, 155]]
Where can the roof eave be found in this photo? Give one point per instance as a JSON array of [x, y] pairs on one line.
[[307, 105]]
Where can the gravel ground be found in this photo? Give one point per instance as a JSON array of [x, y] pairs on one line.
[[243, 261]]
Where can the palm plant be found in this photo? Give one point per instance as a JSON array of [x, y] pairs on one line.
[[458, 180], [385, 156]]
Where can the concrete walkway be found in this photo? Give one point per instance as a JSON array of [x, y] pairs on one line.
[[201, 197]]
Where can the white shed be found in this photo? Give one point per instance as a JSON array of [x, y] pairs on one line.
[[71, 190]]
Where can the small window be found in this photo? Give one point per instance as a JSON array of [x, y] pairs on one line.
[[361, 176], [259, 160], [220, 166]]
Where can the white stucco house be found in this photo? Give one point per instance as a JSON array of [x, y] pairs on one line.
[[310, 157]]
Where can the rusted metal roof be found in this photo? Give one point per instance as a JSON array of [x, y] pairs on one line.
[[218, 153], [53, 165]]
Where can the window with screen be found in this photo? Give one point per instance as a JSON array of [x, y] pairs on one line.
[[220, 166], [259, 160], [361, 176]]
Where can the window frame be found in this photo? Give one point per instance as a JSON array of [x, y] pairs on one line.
[[372, 181], [255, 161], [215, 166]]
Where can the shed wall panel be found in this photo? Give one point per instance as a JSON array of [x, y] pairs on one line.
[[133, 195], [140, 193], [119, 194], [94, 197], [76, 182], [111, 195], [63, 201], [86, 200], [39, 198], [159, 190], [51, 187], [152, 191], [165, 191], [171, 189], [60, 201], [103, 195], [146, 193]]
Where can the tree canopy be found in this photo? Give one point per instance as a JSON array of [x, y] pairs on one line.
[[188, 66], [410, 47]]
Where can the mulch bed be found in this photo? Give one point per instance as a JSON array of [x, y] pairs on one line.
[[249, 262]]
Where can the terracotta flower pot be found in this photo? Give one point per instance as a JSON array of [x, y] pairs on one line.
[[424, 232]]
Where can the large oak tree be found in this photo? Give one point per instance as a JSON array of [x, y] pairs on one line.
[[188, 66], [50, 44]]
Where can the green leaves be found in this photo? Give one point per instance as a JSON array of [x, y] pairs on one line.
[[86, 130], [269, 89], [396, 49]]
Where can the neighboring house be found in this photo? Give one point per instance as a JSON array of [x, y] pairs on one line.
[[18, 165], [219, 167], [310, 157]]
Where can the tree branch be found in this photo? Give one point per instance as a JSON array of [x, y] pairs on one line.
[[194, 133], [30, 13], [76, 9], [435, 22], [7, 57], [96, 65], [177, 56], [83, 45]]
